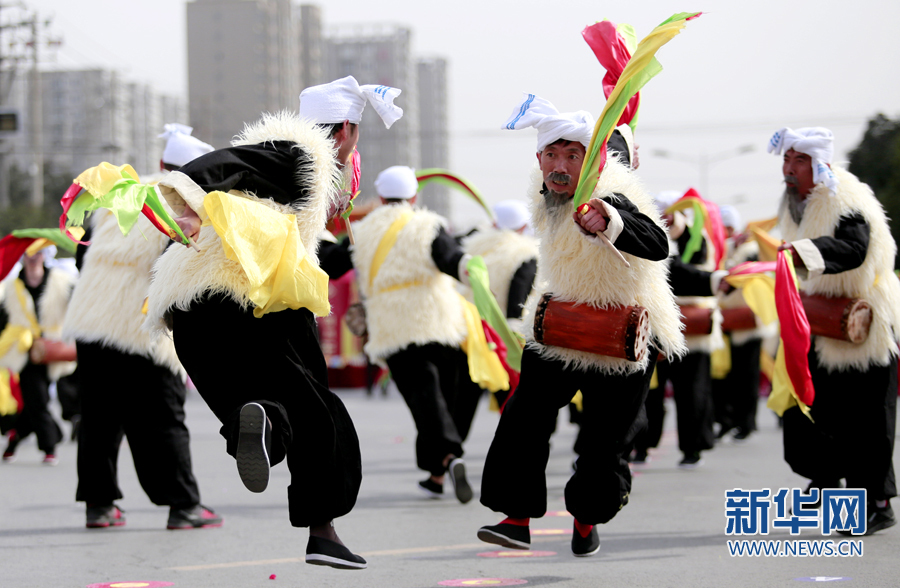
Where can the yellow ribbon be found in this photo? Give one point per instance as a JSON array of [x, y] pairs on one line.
[[15, 335], [29, 314], [485, 367], [267, 245], [720, 360], [8, 404], [387, 243], [783, 395]]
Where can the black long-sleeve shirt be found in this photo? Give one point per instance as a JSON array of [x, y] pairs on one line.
[[640, 236]]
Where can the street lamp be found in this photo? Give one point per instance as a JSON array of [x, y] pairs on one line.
[[704, 161]]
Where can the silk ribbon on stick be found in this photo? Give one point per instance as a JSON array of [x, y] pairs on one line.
[[640, 69]]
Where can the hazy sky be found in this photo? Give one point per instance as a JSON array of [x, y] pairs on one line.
[[730, 79]]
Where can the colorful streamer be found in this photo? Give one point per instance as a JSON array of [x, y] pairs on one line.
[[28, 242], [708, 213], [119, 190], [613, 45], [795, 333], [442, 176], [641, 68], [490, 311]]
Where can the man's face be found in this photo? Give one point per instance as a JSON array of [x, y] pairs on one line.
[[345, 140], [34, 261], [561, 166], [798, 174]]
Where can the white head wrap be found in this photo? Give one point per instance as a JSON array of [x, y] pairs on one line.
[[345, 99], [397, 181], [181, 147], [731, 217], [511, 215], [817, 142], [550, 124], [665, 199]]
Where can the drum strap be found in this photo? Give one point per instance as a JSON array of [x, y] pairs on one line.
[[29, 314], [387, 243]]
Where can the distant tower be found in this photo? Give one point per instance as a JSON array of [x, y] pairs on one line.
[[378, 54], [433, 137], [243, 60]]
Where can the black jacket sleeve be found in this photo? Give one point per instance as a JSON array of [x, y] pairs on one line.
[[334, 258], [687, 280], [699, 256], [520, 287], [618, 145], [847, 249], [446, 253], [641, 236]]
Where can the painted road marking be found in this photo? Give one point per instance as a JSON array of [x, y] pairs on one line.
[[823, 579], [131, 585], [385, 552], [483, 582], [551, 531], [520, 553], [558, 513]]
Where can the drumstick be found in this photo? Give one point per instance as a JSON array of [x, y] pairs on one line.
[[583, 209]]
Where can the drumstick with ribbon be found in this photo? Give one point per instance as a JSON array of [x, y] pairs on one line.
[[583, 210]]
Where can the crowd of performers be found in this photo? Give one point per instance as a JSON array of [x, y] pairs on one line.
[[150, 311]]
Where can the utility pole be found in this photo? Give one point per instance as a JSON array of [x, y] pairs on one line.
[[37, 121]]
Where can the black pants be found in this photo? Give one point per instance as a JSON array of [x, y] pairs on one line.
[[692, 387], [35, 416], [655, 408], [736, 397], [234, 358], [514, 480], [855, 414], [128, 395], [433, 380]]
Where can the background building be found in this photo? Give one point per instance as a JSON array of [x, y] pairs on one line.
[[243, 60], [434, 141]]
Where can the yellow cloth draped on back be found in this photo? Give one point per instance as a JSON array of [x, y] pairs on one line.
[[267, 245]]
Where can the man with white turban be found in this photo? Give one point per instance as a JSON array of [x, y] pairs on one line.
[[406, 263], [576, 266], [115, 352], [842, 247], [273, 400]]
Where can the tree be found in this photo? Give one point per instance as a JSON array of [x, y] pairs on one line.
[[876, 161]]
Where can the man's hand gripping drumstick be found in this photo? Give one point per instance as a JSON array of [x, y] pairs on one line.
[[592, 218]]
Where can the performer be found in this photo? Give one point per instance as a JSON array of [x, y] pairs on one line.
[[37, 300], [576, 266], [131, 381], [258, 365], [842, 247], [510, 255], [406, 263], [736, 395]]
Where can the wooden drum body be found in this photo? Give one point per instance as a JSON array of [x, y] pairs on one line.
[[738, 319], [621, 331], [845, 319], [697, 320]]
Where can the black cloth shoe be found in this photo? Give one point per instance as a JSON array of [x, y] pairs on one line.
[[878, 520], [253, 447], [742, 435], [194, 517], [457, 471], [100, 517], [585, 546], [691, 461], [9, 454], [431, 488], [640, 457], [506, 535], [324, 552]]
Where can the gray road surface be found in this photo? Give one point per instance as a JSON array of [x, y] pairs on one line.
[[671, 534]]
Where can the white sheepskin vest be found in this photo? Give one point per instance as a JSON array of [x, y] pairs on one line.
[[106, 304], [873, 281], [504, 252], [410, 300], [576, 270], [182, 275], [51, 312]]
